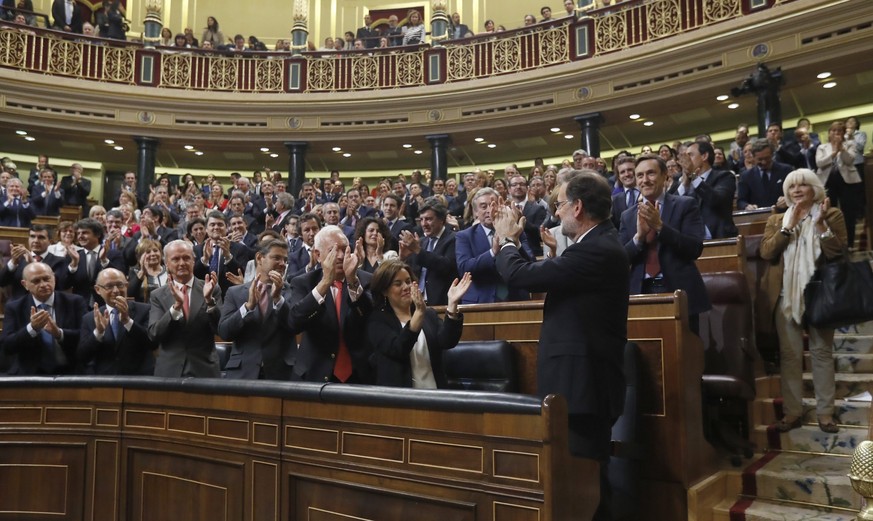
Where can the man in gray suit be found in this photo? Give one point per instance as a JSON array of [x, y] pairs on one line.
[[255, 317], [184, 316]]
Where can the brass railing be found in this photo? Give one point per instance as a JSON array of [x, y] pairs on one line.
[[601, 31]]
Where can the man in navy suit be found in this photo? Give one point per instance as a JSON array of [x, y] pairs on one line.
[[92, 257], [114, 338], [76, 187], [626, 196], [663, 236], [475, 250], [391, 204], [67, 15], [584, 329], [761, 186], [713, 189], [16, 210], [218, 254], [12, 273], [300, 258], [46, 195], [41, 329], [534, 214], [431, 257], [330, 308]]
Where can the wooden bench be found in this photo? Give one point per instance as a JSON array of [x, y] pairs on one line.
[[47, 220], [14, 234], [671, 429], [723, 255], [752, 222]]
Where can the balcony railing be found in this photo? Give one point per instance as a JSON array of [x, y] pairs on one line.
[[600, 32]]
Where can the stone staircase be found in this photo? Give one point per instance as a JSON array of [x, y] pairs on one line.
[[801, 475]]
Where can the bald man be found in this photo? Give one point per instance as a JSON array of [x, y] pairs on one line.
[[114, 337]]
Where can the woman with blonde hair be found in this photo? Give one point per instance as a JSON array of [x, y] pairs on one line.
[[415, 31], [149, 273], [836, 169], [808, 234]]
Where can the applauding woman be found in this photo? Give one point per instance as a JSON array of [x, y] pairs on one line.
[[407, 336]]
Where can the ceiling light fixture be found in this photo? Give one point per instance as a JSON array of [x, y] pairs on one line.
[[337, 149], [198, 153], [492, 145], [634, 116], [189, 147], [723, 97], [829, 85], [555, 129], [568, 136], [479, 139], [265, 149], [21, 132], [649, 123], [274, 155], [30, 138], [418, 152], [823, 75], [347, 155], [109, 141], [733, 106], [407, 145], [116, 147]]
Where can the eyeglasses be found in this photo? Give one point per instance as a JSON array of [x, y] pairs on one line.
[[517, 184], [115, 286], [559, 204]]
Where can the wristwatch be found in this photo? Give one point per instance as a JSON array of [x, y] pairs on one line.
[[507, 240], [786, 232], [827, 234]]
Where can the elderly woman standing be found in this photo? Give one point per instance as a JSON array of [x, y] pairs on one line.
[[807, 234]]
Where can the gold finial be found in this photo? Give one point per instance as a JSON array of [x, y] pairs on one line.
[[154, 7], [301, 11], [439, 5], [861, 476]]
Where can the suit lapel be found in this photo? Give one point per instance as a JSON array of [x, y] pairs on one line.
[[667, 211], [196, 301]]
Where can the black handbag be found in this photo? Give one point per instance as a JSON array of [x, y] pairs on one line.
[[839, 294]]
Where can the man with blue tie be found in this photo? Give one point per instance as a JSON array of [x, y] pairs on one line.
[[761, 186], [46, 195], [114, 338], [16, 210], [713, 189], [218, 254], [627, 194], [431, 257], [41, 329], [300, 258]]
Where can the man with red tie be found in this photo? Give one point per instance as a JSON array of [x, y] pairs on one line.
[[663, 236], [330, 307]]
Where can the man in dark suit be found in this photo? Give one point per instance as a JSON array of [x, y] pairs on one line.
[[584, 326], [67, 15], [331, 212], [475, 250], [761, 186], [282, 212], [87, 261], [15, 209], [626, 196], [391, 204], [239, 232], [129, 186], [41, 329], [308, 199], [255, 317], [431, 257], [218, 254], [713, 189], [300, 259], [184, 317], [330, 308], [458, 30], [46, 195], [76, 188], [534, 214], [114, 338], [663, 236], [12, 273], [367, 34]]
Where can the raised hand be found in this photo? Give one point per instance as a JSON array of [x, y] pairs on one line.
[[235, 278], [457, 291], [549, 240], [351, 261], [252, 301], [210, 281], [178, 293], [327, 271], [651, 215], [73, 255], [359, 248], [278, 283], [101, 320], [821, 223], [123, 310], [19, 252], [38, 318]]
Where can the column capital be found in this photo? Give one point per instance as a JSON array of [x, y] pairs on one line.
[[438, 139], [145, 141], [592, 118], [296, 146]]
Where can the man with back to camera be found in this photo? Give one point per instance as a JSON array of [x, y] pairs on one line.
[[584, 327], [255, 317], [183, 317], [330, 306]]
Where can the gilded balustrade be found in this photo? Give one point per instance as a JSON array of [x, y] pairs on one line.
[[609, 29]]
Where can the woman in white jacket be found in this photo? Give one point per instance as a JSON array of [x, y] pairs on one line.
[[836, 169]]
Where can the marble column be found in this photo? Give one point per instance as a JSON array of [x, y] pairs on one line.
[[438, 164], [589, 138], [296, 165], [145, 164]]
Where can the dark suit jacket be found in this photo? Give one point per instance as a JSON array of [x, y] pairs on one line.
[[679, 244], [473, 254], [584, 320], [458, 31], [715, 197], [76, 195], [48, 204], [82, 284], [619, 205], [395, 228], [257, 340], [534, 215], [130, 354], [185, 347], [59, 16], [753, 190], [25, 214], [298, 259], [240, 256], [16, 341], [13, 279], [442, 268], [393, 344], [319, 326]]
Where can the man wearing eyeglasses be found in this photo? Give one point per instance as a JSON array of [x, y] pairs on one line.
[[114, 337], [533, 213]]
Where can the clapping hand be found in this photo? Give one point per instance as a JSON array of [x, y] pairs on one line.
[[549, 240], [210, 281], [235, 278], [101, 320], [457, 291]]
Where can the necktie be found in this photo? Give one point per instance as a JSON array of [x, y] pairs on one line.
[[185, 302], [213, 261], [48, 343], [653, 263], [343, 367], [92, 264], [37, 258], [113, 323], [263, 299], [16, 207], [631, 197], [428, 247], [766, 175]]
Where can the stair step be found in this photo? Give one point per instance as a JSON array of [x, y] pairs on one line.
[[805, 478], [861, 363], [846, 384], [764, 510], [853, 343], [809, 438], [864, 328], [767, 386], [849, 412]]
